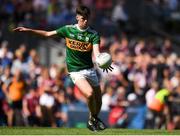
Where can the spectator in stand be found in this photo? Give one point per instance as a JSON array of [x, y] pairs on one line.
[[103, 4], [14, 93], [173, 4], [33, 57], [160, 66], [140, 47], [6, 79], [173, 105], [6, 56], [22, 8], [175, 79], [167, 47], [150, 95], [107, 98], [45, 82], [61, 108], [3, 119], [40, 4], [118, 116], [34, 65], [46, 100], [54, 14], [31, 107], [19, 63], [23, 49], [119, 14], [157, 105]]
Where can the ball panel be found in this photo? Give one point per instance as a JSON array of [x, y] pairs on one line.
[[104, 60]]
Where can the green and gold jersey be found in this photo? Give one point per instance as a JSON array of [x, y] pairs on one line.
[[79, 46]]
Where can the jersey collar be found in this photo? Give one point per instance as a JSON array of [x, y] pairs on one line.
[[82, 30]]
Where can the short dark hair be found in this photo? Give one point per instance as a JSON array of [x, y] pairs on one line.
[[83, 11]]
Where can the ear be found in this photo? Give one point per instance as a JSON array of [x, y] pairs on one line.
[[77, 17]]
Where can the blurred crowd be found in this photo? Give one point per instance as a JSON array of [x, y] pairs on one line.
[[143, 91], [32, 94], [111, 14]]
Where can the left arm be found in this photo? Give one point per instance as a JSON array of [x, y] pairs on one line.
[[96, 50]]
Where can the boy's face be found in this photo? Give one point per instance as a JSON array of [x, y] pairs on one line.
[[82, 22]]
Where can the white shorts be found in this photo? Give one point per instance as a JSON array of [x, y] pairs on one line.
[[88, 74]]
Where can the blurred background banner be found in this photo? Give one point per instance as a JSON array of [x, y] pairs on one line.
[[143, 37]]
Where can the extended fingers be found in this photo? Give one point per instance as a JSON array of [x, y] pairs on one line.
[[110, 68], [105, 70], [16, 29]]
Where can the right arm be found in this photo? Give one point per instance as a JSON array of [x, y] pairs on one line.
[[34, 31]]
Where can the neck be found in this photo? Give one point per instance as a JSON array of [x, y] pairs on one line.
[[82, 28]]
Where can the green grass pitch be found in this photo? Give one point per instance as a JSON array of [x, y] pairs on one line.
[[80, 131]]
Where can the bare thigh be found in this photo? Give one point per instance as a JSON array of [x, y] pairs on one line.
[[84, 87]]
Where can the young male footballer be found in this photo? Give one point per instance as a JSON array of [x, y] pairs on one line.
[[81, 41]]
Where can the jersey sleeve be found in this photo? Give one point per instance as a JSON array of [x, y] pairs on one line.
[[96, 39], [61, 31]]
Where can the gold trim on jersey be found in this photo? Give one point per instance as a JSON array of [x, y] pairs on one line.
[[78, 45]]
